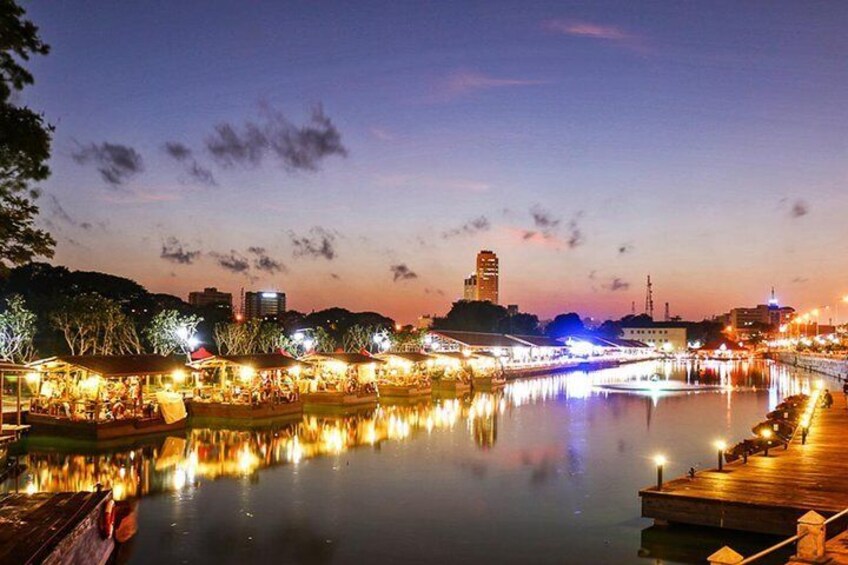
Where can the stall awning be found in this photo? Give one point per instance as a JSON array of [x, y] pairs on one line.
[[113, 365], [349, 358], [479, 339], [259, 361], [412, 356]]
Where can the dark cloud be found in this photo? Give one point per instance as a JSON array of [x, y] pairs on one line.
[[232, 261], [201, 174], [182, 153], [401, 272], [471, 227], [86, 225], [544, 220], [799, 209], [295, 147], [800, 280], [624, 248], [176, 252], [263, 262], [334, 276], [115, 162], [617, 285], [438, 291], [318, 243], [575, 233], [177, 150]]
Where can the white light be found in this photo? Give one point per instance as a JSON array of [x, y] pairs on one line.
[[193, 342], [308, 343], [269, 295], [182, 333], [298, 336], [378, 338]]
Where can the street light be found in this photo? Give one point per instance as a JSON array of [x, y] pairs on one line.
[[720, 445], [766, 435], [660, 461]]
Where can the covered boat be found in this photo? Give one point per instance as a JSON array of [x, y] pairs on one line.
[[247, 387], [450, 372], [100, 397], [340, 379], [404, 375]]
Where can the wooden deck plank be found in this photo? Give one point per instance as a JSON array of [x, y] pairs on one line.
[[768, 493]]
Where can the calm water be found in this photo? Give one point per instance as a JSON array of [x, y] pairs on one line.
[[545, 472]]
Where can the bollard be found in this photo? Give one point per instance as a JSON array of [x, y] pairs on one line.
[[810, 548], [725, 556]]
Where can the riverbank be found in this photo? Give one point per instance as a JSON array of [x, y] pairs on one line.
[[826, 365]]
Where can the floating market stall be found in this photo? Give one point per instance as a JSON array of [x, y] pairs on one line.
[[450, 372], [247, 387], [404, 375], [486, 371], [722, 350], [101, 397], [340, 379]]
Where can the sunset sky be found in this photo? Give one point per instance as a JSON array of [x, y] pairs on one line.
[[360, 154]]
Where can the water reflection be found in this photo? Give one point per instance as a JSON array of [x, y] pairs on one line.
[[564, 450]]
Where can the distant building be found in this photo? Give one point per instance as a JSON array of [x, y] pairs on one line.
[[512, 309], [264, 304], [469, 287], [487, 276], [666, 336], [771, 314], [210, 296]]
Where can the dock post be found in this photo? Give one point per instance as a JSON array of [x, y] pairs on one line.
[[725, 556], [812, 531]]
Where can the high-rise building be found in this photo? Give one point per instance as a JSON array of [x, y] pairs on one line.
[[469, 288], [210, 296], [264, 304], [487, 276]]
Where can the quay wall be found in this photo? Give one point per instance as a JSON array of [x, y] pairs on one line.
[[826, 365]]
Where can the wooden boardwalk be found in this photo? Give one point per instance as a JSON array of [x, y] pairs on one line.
[[768, 494], [60, 528]]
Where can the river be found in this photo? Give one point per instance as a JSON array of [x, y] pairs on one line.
[[546, 471]]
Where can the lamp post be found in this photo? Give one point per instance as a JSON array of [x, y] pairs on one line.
[[720, 445], [660, 461], [766, 435]]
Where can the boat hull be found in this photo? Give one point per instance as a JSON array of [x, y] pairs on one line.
[[401, 391], [232, 411], [43, 424], [450, 385]]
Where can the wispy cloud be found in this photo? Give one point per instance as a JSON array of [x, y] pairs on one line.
[[115, 162], [319, 242], [174, 251], [184, 154], [264, 262], [401, 272], [233, 261], [617, 285], [799, 209], [464, 82], [471, 227], [594, 31]]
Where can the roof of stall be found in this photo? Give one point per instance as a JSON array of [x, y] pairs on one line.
[[260, 361], [715, 345], [453, 354], [479, 339], [413, 356], [7, 367], [349, 358], [115, 365], [538, 340]]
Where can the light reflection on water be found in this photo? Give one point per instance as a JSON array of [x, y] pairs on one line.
[[505, 476]]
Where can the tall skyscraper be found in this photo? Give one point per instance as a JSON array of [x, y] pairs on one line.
[[264, 304], [469, 288], [487, 276]]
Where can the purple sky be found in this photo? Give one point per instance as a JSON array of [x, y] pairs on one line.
[[587, 144]]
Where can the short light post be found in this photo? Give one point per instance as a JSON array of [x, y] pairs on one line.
[[766, 435], [720, 446], [660, 461]]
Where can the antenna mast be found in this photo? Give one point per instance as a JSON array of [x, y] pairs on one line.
[[649, 299]]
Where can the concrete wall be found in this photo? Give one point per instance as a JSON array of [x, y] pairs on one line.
[[833, 366]]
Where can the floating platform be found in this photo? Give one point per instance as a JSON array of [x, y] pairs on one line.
[[97, 431], [402, 391], [768, 494], [338, 398], [54, 528], [488, 384], [450, 385], [659, 386], [236, 411]]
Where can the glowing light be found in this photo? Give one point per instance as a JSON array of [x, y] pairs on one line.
[[246, 373], [179, 376], [32, 378], [766, 433], [659, 460], [721, 445]]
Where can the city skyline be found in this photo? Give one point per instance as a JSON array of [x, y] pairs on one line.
[[587, 146]]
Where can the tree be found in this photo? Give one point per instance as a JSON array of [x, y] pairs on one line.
[[169, 332], [24, 143], [357, 338], [408, 339], [253, 336], [521, 323], [565, 325], [17, 331], [472, 316], [94, 325]]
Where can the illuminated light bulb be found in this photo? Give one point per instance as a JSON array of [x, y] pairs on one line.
[[659, 460], [721, 445]]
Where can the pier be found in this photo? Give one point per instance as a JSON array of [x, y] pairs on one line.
[[54, 528], [767, 494]]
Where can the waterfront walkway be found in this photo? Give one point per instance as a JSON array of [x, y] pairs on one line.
[[768, 494]]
